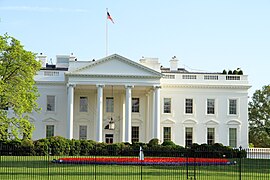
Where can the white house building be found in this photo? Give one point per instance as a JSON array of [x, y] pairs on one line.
[[115, 99]]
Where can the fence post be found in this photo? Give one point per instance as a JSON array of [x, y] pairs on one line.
[[48, 160], [95, 161], [240, 163], [187, 154]]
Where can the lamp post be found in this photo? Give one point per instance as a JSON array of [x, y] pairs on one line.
[[111, 124]]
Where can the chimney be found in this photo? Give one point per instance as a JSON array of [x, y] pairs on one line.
[[43, 59], [174, 64], [72, 57]]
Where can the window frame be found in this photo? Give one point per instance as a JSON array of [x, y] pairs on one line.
[[133, 138], [47, 135], [135, 107], [167, 137], [210, 110], [167, 106], [233, 110], [211, 141], [109, 104], [53, 108], [233, 142], [82, 110], [189, 109], [187, 144], [80, 137]]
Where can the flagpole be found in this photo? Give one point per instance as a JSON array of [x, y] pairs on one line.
[[106, 32]]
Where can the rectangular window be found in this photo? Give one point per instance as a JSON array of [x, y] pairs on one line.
[[167, 105], [49, 131], [210, 136], [233, 106], [51, 103], [135, 105], [189, 136], [109, 138], [189, 106], [83, 132], [232, 137], [135, 134], [167, 134], [210, 106], [109, 104], [83, 104]]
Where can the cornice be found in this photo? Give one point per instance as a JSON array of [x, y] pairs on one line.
[[50, 83], [112, 76]]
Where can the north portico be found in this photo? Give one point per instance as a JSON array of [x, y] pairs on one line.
[[111, 87]]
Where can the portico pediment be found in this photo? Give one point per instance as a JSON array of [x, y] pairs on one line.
[[115, 66]]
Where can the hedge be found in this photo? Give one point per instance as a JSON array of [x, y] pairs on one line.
[[59, 146]]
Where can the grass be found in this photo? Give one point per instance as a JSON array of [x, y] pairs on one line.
[[40, 167]]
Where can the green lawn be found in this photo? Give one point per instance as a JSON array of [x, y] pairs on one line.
[[37, 167]]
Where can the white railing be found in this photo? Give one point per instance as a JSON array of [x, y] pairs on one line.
[[205, 78], [258, 153], [51, 73]]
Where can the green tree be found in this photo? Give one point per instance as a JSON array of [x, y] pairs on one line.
[[18, 92], [259, 118]]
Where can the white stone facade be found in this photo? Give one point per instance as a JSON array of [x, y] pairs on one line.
[[144, 100]]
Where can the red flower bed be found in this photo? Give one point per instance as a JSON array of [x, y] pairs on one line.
[[146, 161]]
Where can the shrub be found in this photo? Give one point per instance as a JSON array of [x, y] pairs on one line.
[[75, 147], [27, 147], [59, 146], [153, 142], [87, 147], [240, 72], [41, 147], [168, 143]]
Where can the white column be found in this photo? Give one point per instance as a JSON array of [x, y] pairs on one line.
[[128, 114], [147, 130], [99, 112], [156, 120], [123, 119], [70, 110]]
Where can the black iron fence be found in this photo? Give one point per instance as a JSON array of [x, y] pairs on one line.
[[141, 163]]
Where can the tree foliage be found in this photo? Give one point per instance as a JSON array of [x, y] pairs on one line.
[[17, 88], [259, 118]]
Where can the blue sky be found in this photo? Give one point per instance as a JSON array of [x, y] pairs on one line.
[[205, 35]]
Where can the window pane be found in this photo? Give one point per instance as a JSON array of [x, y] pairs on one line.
[[135, 105], [135, 134], [109, 138], [210, 136], [167, 134], [50, 103], [83, 104], [232, 137], [189, 106], [232, 106], [49, 131], [210, 106], [167, 105], [189, 136], [83, 132], [109, 104]]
